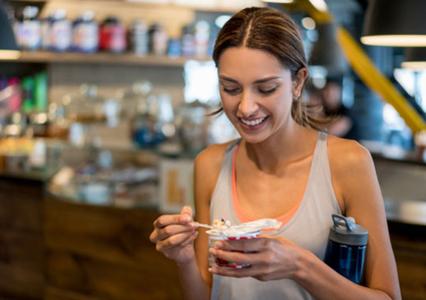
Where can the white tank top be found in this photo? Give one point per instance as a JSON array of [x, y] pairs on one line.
[[308, 227]]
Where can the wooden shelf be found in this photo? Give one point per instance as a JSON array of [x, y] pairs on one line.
[[103, 58], [218, 6]]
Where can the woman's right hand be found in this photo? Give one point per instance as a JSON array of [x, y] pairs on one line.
[[174, 235]]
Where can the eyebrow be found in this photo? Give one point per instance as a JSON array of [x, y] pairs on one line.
[[257, 81]]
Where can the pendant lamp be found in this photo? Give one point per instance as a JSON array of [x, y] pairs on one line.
[[8, 46], [398, 23], [415, 58]]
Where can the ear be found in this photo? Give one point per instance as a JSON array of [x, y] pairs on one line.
[[299, 82]]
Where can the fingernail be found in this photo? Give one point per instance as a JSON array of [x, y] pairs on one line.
[[210, 270], [218, 245], [186, 218]]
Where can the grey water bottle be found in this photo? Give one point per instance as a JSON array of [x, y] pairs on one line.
[[347, 244]]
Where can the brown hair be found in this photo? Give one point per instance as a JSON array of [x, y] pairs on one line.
[[274, 32]]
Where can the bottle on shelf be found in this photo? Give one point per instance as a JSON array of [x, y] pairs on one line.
[[28, 29], [27, 94], [139, 39], [85, 33], [174, 48], [40, 92], [112, 37], [188, 43], [60, 31], [158, 39], [201, 37]]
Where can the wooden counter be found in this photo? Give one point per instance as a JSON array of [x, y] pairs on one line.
[[21, 239], [57, 250], [96, 252], [409, 246]]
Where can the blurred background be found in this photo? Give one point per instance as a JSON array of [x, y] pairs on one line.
[[104, 104]]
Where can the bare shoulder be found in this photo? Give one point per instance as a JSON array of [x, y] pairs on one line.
[[346, 156], [353, 173], [207, 167], [211, 158]]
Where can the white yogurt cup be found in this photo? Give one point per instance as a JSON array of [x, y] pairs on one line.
[[214, 238]]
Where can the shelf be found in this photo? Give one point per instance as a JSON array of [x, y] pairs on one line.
[[103, 58], [215, 6]]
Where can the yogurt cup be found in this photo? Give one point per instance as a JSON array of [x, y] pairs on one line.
[[244, 231], [214, 238]]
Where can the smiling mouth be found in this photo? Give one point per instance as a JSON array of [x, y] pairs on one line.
[[253, 122]]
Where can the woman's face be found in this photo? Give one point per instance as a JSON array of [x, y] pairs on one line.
[[256, 92]]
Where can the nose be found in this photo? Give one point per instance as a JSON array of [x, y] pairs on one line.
[[248, 106]]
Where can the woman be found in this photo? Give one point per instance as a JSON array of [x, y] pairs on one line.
[[282, 168]]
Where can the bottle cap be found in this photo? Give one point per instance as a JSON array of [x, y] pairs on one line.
[[346, 231]]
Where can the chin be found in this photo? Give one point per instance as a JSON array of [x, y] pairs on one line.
[[254, 139]]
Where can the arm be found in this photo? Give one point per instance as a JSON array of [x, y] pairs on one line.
[[194, 275], [356, 178]]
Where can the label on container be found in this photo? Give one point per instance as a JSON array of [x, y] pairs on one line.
[[60, 35], [85, 37], [30, 34]]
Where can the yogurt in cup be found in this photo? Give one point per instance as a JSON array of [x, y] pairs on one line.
[[225, 231]]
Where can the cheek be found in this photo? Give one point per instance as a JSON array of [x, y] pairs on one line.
[[282, 102], [229, 103]]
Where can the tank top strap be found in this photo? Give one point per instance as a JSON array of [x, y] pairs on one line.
[[221, 200], [321, 173]]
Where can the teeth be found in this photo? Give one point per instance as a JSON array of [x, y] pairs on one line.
[[253, 122]]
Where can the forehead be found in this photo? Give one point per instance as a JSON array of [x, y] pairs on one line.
[[243, 62]]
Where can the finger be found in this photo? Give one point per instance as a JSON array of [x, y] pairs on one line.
[[186, 210], [166, 220], [153, 236], [173, 241], [191, 239], [236, 257], [246, 245], [171, 230], [251, 271]]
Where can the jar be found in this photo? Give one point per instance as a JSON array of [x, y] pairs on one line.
[[158, 39], [174, 48], [112, 37], [60, 31], [201, 38], [85, 33], [188, 44], [139, 38], [28, 30]]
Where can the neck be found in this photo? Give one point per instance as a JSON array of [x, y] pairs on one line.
[[284, 147]]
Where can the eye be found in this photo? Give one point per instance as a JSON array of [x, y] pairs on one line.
[[267, 90], [231, 91]]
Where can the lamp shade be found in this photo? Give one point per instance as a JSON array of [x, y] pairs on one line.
[[415, 58], [326, 52], [8, 46], [395, 23]]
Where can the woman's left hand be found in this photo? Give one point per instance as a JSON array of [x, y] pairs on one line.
[[270, 257]]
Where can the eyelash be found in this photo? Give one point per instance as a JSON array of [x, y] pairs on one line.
[[236, 90]]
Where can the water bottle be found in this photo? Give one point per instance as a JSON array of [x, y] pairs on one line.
[[346, 248]]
